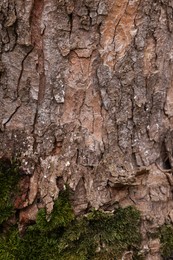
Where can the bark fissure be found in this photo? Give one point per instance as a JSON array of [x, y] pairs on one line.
[[37, 34], [21, 72], [6, 121]]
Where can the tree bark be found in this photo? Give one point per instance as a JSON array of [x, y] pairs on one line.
[[86, 100]]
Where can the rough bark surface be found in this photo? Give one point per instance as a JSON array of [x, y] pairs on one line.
[[86, 99]]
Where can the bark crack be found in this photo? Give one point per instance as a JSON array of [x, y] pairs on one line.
[[37, 34], [21, 71], [6, 121]]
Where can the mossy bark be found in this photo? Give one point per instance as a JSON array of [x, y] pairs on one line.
[[95, 236], [86, 99]]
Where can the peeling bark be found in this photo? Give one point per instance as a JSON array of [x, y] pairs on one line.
[[86, 98]]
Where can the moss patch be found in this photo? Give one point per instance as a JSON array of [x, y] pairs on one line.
[[9, 177], [102, 236], [166, 239], [61, 236], [95, 236], [61, 216]]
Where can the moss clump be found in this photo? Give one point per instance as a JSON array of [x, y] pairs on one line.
[[9, 244], [166, 239], [9, 177], [61, 216], [95, 236], [34, 245], [102, 236]]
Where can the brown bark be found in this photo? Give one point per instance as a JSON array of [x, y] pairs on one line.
[[86, 99]]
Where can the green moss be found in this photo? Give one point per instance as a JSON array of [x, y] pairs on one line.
[[9, 177], [166, 239], [34, 245], [61, 216], [99, 234], [9, 244], [95, 236], [61, 236]]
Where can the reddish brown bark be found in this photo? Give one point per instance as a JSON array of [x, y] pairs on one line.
[[86, 99]]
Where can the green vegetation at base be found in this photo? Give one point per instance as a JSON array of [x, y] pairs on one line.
[[166, 239], [9, 177], [101, 236], [165, 234], [62, 236], [61, 216], [95, 236]]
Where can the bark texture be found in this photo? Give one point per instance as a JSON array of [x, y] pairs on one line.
[[86, 99]]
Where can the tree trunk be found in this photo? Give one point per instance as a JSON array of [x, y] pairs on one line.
[[86, 100]]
